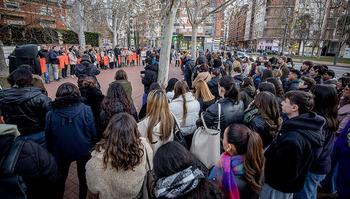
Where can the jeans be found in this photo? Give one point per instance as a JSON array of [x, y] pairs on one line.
[[309, 190], [111, 65], [64, 166], [144, 99], [47, 73], [268, 192], [72, 69], [188, 80], [329, 183], [55, 71], [38, 138]]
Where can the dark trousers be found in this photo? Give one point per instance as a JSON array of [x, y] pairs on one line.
[[111, 65], [72, 69], [177, 62], [64, 166], [64, 71], [188, 80]]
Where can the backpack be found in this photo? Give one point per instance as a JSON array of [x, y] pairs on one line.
[[28, 54], [12, 185], [81, 77]]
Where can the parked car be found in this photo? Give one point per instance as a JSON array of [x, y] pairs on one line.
[[243, 55], [272, 52]]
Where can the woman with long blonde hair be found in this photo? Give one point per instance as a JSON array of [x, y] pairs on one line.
[[159, 122], [204, 96]]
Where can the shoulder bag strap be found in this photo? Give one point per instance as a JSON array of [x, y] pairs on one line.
[[11, 160], [219, 107]]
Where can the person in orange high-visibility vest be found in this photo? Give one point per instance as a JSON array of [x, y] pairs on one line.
[[63, 61], [105, 61], [43, 65], [133, 57]]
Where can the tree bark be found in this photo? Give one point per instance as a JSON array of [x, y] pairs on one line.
[[4, 70], [302, 53], [194, 42], [164, 57]]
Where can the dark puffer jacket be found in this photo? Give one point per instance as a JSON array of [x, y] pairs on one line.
[[290, 155], [258, 124], [201, 59], [85, 69], [292, 85], [37, 166], [44, 54], [93, 98], [26, 107], [230, 113], [151, 76], [54, 57], [213, 85]]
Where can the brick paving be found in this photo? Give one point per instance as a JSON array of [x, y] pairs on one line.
[[106, 77]]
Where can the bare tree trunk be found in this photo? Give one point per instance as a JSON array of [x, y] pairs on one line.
[[319, 50], [167, 32], [194, 42], [4, 70], [302, 52]]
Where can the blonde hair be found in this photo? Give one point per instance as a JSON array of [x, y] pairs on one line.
[[277, 73], [202, 90], [158, 112]]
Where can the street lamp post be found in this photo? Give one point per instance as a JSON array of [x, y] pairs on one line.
[[342, 35]]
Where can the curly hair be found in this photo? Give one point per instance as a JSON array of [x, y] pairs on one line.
[[121, 143], [115, 94]]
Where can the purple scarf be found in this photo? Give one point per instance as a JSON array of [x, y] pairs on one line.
[[224, 171]]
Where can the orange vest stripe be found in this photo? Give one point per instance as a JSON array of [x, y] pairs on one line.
[[43, 65], [105, 60]]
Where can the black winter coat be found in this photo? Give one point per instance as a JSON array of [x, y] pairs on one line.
[[93, 98], [189, 67], [318, 79], [85, 69], [54, 57], [44, 54], [258, 124], [201, 59], [37, 166], [230, 113], [204, 105], [244, 189], [151, 76], [26, 107], [290, 155], [291, 85], [213, 85]]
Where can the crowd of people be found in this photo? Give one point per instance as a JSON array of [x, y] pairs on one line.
[[284, 132]]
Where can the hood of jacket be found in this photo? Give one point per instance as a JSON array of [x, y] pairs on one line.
[[83, 67], [152, 67], [239, 77], [249, 90], [305, 123], [9, 129], [19, 95]]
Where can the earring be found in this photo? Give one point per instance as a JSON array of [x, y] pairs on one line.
[[226, 150]]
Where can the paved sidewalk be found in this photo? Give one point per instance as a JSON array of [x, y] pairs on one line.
[[106, 77]]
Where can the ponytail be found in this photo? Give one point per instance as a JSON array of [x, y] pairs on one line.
[[250, 144], [231, 89], [184, 115], [254, 161]]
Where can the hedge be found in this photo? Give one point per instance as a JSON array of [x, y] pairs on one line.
[[19, 35]]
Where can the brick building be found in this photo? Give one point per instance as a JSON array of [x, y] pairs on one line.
[[32, 13], [211, 28]]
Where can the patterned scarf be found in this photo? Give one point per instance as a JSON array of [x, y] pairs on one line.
[[224, 171], [179, 183]]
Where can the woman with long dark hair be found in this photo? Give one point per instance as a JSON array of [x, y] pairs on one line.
[[204, 96], [240, 169], [263, 117], [186, 109], [341, 84], [157, 126], [70, 133], [177, 175], [232, 108], [118, 163], [248, 91], [116, 101], [170, 88], [325, 97]]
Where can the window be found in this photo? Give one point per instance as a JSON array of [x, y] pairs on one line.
[[200, 30], [46, 11], [11, 5]]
